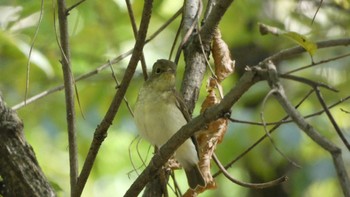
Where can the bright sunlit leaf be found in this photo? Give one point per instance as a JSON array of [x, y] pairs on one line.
[[301, 40]]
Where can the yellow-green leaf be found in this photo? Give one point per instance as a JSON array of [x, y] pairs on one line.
[[308, 45]]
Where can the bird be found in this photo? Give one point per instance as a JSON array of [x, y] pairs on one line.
[[160, 112]]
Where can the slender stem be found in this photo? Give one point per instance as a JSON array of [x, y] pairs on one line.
[[331, 118], [69, 92], [74, 6], [245, 184], [135, 31]]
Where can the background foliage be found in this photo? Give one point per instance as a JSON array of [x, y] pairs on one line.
[[101, 31]]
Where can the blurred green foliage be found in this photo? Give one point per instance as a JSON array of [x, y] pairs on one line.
[[100, 31]]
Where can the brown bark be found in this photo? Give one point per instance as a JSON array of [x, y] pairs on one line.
[[19, 169]]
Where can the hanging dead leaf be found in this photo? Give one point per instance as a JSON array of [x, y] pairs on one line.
[[208, 139], [224, 65]]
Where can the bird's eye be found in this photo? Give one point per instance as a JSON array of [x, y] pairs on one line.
[[158, 70]]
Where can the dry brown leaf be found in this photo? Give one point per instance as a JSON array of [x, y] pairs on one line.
[[208, 139], [214, 133], [224, 65]]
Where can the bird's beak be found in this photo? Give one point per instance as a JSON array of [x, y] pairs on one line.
[[171, 70]]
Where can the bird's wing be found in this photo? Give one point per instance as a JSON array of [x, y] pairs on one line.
[[183, 108], [182, 105]]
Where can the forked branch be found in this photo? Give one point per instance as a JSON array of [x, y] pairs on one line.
[[272, 77]]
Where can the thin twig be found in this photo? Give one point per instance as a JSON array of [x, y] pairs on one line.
[[317, 63], [318, 8], [130, 157], [345, 111], [208, 10], [308, 82], [165, 25], [189, 32], [331, 118], [177, 35], [118, 84], [74, 6], [134, 29], [69, 93], [31, 49], [248, 185], [143, 161], [176, 190], [206, 58], [268, 134]]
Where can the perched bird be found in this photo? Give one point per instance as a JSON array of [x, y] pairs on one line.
[[160, 112]]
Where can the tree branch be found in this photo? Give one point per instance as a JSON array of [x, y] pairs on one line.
[[331, 118], [285, 54], [101, 130], [248, 185], [212, 21], [194, 57], [135, 31], [272, 77], [69, 92], [19, 168]]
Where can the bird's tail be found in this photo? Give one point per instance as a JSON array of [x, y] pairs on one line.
[[195, 177]]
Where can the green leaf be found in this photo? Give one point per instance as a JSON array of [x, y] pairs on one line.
[[301, 40], [308, 45]]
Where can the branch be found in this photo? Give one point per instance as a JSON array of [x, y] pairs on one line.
[[285, 120], [135, 31], [69, 92], [218, 10], [194, 57], [316, 86], [309, 82], [331, 118], [212, 113], [317, 63], [19, 168], [74, 6], [285, 54], [248, 185], [323, 142], [101, 130], [31, 49]]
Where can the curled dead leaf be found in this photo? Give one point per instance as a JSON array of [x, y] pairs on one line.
[[224, 65]]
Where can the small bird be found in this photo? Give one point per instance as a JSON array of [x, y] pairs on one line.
[[160, 112]]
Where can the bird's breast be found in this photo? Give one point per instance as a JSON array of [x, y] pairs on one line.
[[157, 116]]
